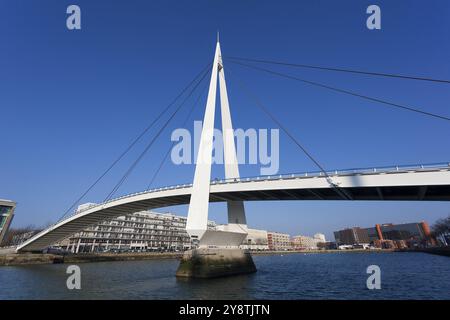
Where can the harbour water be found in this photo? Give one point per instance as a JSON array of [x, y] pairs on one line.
[[289, 276]]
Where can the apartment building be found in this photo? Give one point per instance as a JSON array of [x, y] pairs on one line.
[[278, 241], [140, 231]]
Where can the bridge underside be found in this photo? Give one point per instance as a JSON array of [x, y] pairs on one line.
[[383, 193], [407, 193]]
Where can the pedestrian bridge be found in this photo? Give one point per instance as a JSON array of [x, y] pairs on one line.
[[412, 183]]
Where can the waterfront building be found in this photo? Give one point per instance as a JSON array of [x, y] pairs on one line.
[[256, 240], [6, 215], [304, 242], [140, 231], [384, 244], [351, 236], [278, 241], [404, 231], [320, 237], [329, 245], [402, 235], [387, 235]]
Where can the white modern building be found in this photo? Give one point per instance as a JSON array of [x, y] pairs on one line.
[[140, 231], [256, 240], [146, 231], [305, 242], [320, 237]]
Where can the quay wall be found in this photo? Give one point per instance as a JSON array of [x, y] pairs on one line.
[[10, 259]]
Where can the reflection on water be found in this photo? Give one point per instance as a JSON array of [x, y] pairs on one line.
[[237, 287], [291, 276]]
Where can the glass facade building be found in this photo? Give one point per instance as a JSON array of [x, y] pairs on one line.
[[404, 231], [416, 231], [352, 236], [6, 215]]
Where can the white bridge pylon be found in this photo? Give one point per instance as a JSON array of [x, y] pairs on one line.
[[235, 231]]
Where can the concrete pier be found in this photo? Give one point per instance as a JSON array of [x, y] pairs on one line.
[[215, 262]]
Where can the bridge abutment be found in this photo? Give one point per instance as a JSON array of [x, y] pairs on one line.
[[207, 262]]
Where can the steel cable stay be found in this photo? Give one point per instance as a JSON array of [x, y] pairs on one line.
[[236, 60], [135, 141], [161, 164], [265, 110], [152, 141], [347, 92], [345, 70]]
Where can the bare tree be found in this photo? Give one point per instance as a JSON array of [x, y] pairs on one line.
[[12, 232], [441, 229]]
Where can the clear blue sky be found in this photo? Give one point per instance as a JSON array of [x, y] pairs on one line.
[[71, 101]]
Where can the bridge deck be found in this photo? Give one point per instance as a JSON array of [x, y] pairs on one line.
[[424, 183]]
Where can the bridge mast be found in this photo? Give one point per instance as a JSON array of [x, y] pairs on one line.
[[198, 207], [236, 211]]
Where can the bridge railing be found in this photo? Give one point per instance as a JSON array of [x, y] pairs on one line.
[[301, 175], [345, 172]]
